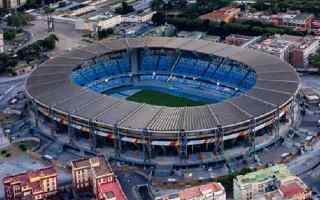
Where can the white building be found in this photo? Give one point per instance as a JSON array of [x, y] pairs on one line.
[[275, 181], [275, 46]]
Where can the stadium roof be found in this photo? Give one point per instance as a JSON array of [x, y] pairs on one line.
[[51, 85]]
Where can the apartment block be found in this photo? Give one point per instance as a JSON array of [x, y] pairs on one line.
[[210, 191], [39, 184], [274, 182], [95, 175]]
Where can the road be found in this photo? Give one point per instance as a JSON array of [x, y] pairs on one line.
[[307, 166], [129, 180], [68, 37]]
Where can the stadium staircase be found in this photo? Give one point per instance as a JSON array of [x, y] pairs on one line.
[[175, 63]]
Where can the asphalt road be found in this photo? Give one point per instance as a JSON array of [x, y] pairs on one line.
[[129, 180], [68, 37]]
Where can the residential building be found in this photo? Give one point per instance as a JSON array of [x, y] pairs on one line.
[[240, 40], [95, 175], [315, 26], [39, 184], [274, 45], [226, 14], [12, 4], [274, 182], [294, 19], [294, 49], [110, 191], [303, 48], [210, 191], [295, 190], [300, 22]]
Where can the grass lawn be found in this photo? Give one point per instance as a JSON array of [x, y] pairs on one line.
[[162, 99]]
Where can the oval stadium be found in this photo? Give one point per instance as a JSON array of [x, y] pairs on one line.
[[170, 101]]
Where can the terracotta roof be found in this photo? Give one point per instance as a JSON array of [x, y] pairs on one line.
[[112, 189], [190, 193], [291, 189], [221, 13]]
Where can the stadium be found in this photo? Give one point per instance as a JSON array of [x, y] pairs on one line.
[[146, 99]]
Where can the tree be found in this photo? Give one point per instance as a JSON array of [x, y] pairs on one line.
[[6, 61], [34, 50], [50, 42], [32, 4], [157, 5], [105, 33], [124, 9], [18, 19], [315, 61], [48, 10], [9, 35], [158, 18]]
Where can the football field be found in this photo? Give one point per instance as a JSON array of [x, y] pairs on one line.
[[162, 99]]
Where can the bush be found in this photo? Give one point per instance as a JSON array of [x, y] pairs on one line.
[[158, 18], [223, 29], [22, 147], [105, 33], [8, 155], [33, 51], [6, 61], [124, 9], [18, 19], [9, 35], [3, 152]]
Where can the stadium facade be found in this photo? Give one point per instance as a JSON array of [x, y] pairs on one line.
[[247, 91]]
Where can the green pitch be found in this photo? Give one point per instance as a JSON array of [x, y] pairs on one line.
[[162, 99]]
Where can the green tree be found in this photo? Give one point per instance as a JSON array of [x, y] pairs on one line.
[[18, 19], [9, 35], [124, 9], [315, 61], [105, 33], [6, 61], [157, 5], [48, 10], [50, 42], [158, 18]]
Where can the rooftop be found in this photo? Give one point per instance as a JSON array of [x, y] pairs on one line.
[[273, 45], [292, 189], [279, 171], [221, 13], [112, 190], [302, 16], [196, 191], [30, 179], [97, 164], [300, 42]]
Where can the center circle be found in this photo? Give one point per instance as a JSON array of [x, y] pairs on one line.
[[165, 77]]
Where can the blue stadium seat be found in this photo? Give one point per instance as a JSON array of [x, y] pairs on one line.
[[165, 62], [149, 63], [124, 64]]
